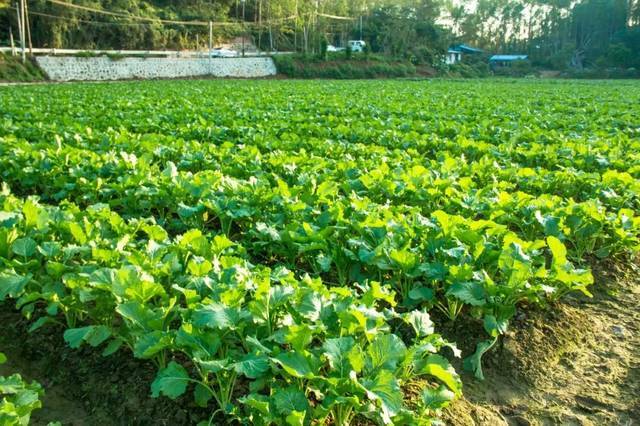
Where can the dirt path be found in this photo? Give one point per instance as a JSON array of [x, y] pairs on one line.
[[577, 363]]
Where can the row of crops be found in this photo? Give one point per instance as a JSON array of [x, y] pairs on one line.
[[286, 252]]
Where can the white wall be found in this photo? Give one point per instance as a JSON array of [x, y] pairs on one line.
[[61, 68], [453, 58]]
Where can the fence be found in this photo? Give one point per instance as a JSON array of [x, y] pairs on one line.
[[164, 53]]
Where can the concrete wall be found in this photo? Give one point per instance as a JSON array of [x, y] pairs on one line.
[[61, 68]]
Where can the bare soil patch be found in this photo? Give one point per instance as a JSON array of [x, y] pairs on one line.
[[574, 363]]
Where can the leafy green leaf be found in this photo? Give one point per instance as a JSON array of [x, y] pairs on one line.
[[295, 364], [386, 351], [24, 247], [78, 233], [473, 363], [202, 395], [421, 323], [495, 327], [385, 390], [252, 366], [290, 399], [435, 399], [558, 250], [472, 293], [171, 381], [149, 344], [337, 352], [438, 367], [94, 335], [421, 294], [12, 284], [216, 315], [296, 418]]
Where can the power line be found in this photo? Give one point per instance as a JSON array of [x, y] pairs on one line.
[[135, 17], [167, 21], [195, 22], [64, 18], [343, 18]]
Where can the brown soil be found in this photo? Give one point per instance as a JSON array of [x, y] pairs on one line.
[[83, 388], [57, 406], [575, 363]]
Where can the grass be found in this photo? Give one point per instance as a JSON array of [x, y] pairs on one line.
[[336, 66], [13, 70]]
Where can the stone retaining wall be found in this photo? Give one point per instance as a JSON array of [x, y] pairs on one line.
[[66, 68]]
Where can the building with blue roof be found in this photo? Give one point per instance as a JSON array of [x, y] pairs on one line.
[[454, 53], [497, 61]]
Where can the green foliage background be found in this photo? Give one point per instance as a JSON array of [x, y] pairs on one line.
[[556, 34]]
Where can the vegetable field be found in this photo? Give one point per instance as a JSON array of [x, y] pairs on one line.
[[287, 253]]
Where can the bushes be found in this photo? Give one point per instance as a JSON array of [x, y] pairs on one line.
[[284, 64], [334, 68], [467, 70], [602, 73], [323, 49], [12, 69], [115, 56], [516, 69], [87, 54]]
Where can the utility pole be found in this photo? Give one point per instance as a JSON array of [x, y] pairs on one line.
[[244, 30], [210, 47], [24, 30], [13, 45], [210, 36], [314, 43], [360, 27], [270, 30], [259, 24], [27, 24], [21, 30]]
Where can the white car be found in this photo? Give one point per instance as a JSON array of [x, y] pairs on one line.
[[221, 52], [357, 45], [332, 48]]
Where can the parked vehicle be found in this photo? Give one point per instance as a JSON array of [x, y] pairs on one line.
[[332, 48], [357, 45], [221, 52]]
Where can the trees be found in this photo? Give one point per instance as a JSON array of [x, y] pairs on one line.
[[553, 33]]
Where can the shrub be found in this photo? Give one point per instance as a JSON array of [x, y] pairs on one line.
[[300, 66], [323, 49], [284, 64], [12, 69], [86, 54], [115, 56]]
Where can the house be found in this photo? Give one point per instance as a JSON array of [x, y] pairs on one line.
[[454, 53], [453, 57], [497, 61]]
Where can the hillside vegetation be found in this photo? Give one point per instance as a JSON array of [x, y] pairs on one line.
[[13, 69]]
